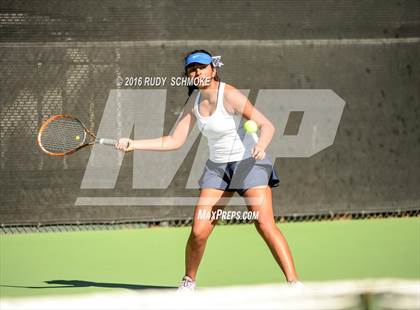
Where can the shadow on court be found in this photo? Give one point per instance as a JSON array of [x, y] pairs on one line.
[[81, 283]]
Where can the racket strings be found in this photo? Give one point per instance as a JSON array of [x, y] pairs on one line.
[[62, 135]]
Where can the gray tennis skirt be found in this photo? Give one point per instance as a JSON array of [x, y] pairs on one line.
[[239, 175]]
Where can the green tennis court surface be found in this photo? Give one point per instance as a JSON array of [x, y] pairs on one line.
[[81, 262]]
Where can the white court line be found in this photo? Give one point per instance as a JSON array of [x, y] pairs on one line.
[[215, 43]]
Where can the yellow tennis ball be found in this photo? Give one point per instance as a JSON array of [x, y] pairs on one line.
[[250, 126], [77, 138]]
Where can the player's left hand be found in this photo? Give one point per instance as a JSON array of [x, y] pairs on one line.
[[258, 152]]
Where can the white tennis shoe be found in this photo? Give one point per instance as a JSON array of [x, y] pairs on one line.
[[296, 285], [187, 285]]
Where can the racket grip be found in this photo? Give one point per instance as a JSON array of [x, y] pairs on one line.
[[106, 141]]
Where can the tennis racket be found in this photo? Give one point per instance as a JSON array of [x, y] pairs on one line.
[[64, 134]]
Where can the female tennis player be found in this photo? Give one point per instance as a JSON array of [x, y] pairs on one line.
[[237, 162]]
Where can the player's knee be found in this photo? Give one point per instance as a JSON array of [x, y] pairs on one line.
[[201, 232], [264, 225]]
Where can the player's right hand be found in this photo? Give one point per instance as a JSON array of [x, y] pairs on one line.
[[124, 144]]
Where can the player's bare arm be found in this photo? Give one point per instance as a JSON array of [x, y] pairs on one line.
[[239, 104], [173, 141]]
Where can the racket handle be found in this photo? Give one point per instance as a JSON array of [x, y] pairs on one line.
[[106, 141]]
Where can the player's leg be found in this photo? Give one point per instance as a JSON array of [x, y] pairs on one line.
[[260, 199], [210, 200]]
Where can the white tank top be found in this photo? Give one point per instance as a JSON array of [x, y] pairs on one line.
[[226, 137]]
